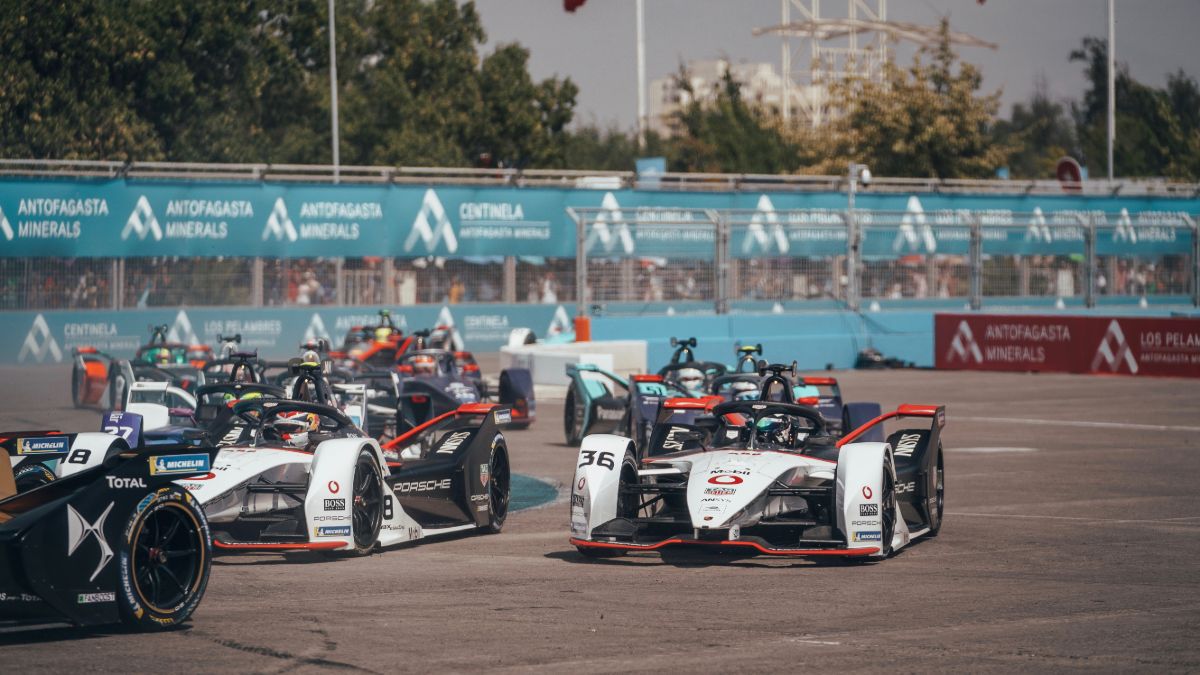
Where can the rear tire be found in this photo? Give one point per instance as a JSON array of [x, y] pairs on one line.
[[78, 385], [117, 391], [887, 507], [366, 511], [33, 475], [165, 560], [573, 413]]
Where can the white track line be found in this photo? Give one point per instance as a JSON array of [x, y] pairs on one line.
[[1076, 423], [1160, 521]]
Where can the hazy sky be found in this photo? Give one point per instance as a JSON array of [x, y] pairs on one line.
[[595, 45]]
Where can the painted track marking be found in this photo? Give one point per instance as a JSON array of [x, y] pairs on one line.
[[1078, 423], [1160, 521]]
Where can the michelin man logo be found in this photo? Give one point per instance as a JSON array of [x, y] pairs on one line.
[[1125, 231], [142, 221], [279, 224], [1038, 229], [79, 529], [1113, 350], [610, 229], [181, 330], [316, 329], [964, 346], [431, 234], [915, 235], [764, 229], [39, 342], [5, 227]]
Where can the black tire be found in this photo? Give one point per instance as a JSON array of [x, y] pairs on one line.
[[366, 511], [32, 475], [573, 413], [499, 486], [627, 507], [117, 387], [887, 507], [164, 561], [935, 516], [78, 384]]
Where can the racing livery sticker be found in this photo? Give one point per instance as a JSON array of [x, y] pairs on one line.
[[175, 464], [42, 445]]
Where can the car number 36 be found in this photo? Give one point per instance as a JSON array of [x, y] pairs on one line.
[[604, 459]]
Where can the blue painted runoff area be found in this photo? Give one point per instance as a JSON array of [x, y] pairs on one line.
[[527, 492]]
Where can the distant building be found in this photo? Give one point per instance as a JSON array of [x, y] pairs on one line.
[[761, 85]]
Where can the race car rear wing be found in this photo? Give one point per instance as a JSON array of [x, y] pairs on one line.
[[936, 413]]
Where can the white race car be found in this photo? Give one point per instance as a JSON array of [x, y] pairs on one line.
[[760, 477]]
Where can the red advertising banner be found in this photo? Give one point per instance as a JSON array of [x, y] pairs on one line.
[[1068, 344]]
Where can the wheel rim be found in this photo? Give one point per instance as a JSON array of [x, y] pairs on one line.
[[498, 484], [368, 500], [167, 557]]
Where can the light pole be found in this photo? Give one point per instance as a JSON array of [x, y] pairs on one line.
[[641, 74], [856, 173], [1112, 83], [333, 94]]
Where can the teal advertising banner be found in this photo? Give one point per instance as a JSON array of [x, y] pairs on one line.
[[103, 218], [51, 336]]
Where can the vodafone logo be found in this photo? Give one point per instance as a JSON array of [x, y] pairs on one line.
[[334, 487], [867, 493], [1114, 350], [725, 479], [963, 345], [581, 483]]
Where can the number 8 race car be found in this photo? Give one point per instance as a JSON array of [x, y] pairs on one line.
[[760, 477]]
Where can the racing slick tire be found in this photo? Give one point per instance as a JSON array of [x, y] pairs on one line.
[[627, 507], [78, 385], [499, 487], [366, 513], [32, 475], [573, 414], [888, 507], [118, 388], [164, 561], [935, 514]]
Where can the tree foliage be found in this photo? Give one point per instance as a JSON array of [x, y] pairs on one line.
[[1041, 131], [248, 81]]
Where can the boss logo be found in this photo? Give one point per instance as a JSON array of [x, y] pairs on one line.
[[868, 509], [335, 504]]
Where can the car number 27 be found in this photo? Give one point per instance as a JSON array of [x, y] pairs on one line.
[[604, 459]]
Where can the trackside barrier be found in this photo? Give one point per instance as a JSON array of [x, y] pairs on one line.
[[1120, 345]]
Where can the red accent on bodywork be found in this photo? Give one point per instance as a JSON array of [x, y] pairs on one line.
[[692, 403], [809, 400], [904, 410], [87, 350], [646, 378], [407, 370], [917, 410], [820, 380], [847, 552], [470, 368], [464, 409], [263, 546], [476, 408]]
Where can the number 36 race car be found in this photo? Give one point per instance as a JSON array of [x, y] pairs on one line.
[[760, 477]]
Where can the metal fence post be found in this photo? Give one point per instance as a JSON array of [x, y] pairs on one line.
[[976, 264], [853, 241], [1195, 259], [510, 279], [389, 281], [1089, 263], [256, 282], [581, 308], [721, 260], [340, 275]]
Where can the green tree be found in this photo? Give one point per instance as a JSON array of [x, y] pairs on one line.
[[1041, 131], [926, 120]]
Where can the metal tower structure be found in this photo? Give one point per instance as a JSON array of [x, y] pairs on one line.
[[851, 44]]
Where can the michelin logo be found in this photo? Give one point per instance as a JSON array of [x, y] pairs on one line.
[[142, 221], [41, 446], [430, 233], [174, 464], [279, 224]]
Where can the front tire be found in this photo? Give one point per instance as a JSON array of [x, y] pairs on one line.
[[573, 414], [366, 512], [935, 515], [165, 561], [499, 488], [887, 507], [32, 475], [78, 385]]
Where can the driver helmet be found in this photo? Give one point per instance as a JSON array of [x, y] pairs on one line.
[[773, 429], [294, 427], [424, 364], [382, 333], [744, 391], [310, 356], [231, 399], [160, 356], [691, 379]]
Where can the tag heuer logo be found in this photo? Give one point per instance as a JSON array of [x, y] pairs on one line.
[[431, 226], [279, 224], [142, 221]]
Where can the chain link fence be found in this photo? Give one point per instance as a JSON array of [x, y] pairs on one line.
[[720, 259]]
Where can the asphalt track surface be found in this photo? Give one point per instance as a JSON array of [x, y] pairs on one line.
[[1071, 541]]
